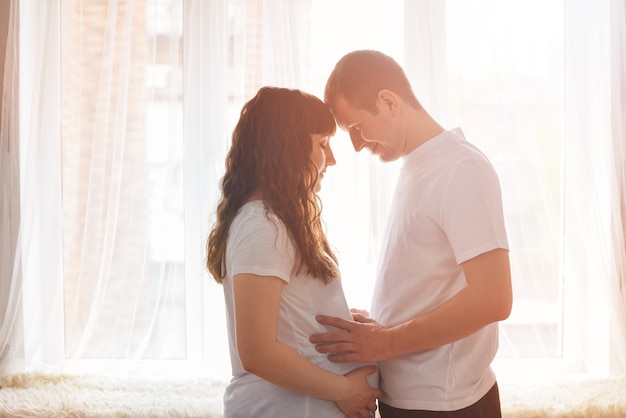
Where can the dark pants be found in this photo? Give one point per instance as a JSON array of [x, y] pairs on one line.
[[487, 407]]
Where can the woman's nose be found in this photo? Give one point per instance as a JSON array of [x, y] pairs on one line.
[[330, 157]]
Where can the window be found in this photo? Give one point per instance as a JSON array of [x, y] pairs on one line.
[[506, 77], [149, 93], [123, 209]]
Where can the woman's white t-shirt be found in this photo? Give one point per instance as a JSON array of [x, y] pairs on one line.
[[446, 209], [258, 243]]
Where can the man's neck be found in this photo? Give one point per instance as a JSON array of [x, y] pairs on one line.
[[421, 128]]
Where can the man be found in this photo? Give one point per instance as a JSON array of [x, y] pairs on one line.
[[444, 275]]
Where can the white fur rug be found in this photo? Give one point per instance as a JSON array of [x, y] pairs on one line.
[[574, 397], [30, 395], [39, 395]]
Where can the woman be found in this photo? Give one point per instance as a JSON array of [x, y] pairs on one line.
[[269, 251]]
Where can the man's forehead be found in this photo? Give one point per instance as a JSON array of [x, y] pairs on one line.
[[344, 113]]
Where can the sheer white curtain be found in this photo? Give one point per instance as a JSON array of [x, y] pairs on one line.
[[116, 118], [9, 188], [94, 128], [31, 182], [594, 221], [617, 288]]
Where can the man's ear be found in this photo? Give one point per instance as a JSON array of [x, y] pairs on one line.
[[389, 99]]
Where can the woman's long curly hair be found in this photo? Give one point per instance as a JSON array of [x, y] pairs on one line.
[[270, 153]]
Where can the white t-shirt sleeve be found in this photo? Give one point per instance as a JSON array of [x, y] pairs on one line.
[[262, 247], [472, 214]]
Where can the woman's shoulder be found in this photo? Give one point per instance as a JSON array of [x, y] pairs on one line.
[[255, 212], [255, 218]]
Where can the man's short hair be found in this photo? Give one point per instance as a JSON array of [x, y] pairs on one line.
[[360, 75]]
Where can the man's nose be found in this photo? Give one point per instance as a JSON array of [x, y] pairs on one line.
[[357, 140]]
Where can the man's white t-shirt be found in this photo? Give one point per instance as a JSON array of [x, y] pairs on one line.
[[261, 245], [446, 209]]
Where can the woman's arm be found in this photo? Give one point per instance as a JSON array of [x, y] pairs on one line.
[[257, 303]]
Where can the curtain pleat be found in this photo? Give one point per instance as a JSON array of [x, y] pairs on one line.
[[617, 287], [10, 274]]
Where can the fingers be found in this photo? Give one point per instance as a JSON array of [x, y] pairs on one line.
[[366, 410], [360, 411], [338, 352], [366, 370], [336, 338], [359, 311], [335, 322], [369, 408], [361, 315], [331, 337], [371, 369], [372, 406], [361, 318], [377, 393], [325, 343]]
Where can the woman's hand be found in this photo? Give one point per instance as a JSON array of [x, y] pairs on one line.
[[359, 401]]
